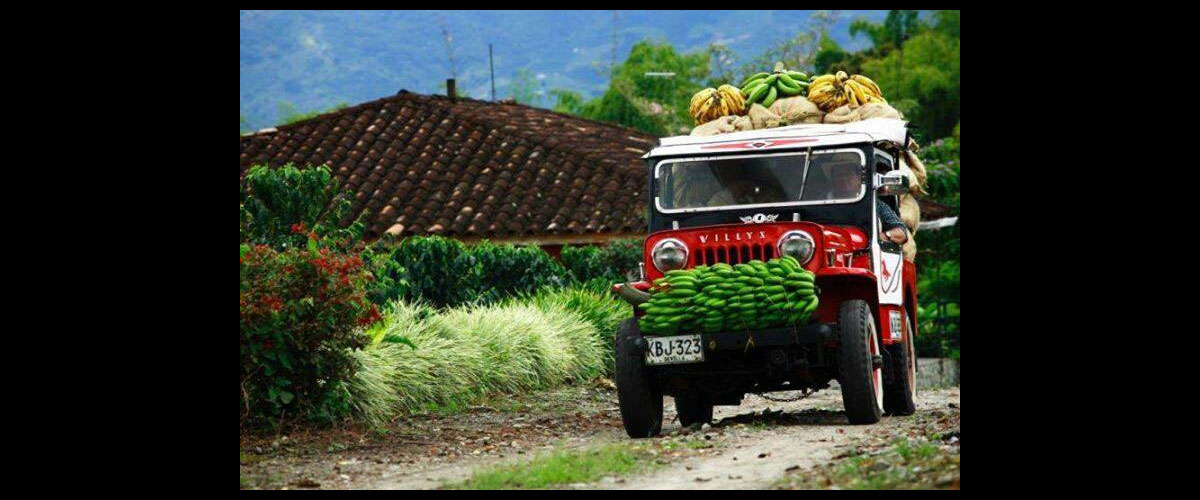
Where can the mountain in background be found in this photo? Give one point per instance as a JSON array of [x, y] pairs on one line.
[[315, 60]]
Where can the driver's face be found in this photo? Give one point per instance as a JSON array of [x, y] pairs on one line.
[[846, 181]]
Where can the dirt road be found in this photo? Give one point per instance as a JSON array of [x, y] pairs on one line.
[[753, 445]]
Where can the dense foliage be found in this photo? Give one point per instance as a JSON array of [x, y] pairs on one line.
[[300, 310], [938, 255], [279, 207], [914, 59], [610, 263], [447, 273]]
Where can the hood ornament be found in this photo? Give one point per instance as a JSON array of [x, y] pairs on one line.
[[759, 218]]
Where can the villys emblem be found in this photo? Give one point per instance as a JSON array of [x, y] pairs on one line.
[[759, 218]]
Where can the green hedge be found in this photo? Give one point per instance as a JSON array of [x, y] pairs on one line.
[[610, 262], [443, 272]]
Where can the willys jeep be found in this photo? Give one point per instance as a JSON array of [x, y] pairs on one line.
[[758, 195]]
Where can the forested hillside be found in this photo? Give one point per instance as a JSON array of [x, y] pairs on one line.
[[295, 62]]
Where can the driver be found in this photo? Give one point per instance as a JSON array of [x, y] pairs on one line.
[[846, 178], [740, 190]]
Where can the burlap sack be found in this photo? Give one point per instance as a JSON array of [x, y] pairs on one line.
[[910, 248], [910, 212], [843, 114], [878, 110], [743, 123], [798, 109], [721, 125], [912, 167], [762, 117]]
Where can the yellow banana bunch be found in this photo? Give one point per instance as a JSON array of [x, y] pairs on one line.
[[710, 104], [830, 92]]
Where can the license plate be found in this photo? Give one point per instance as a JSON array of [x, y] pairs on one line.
[[674, 350]]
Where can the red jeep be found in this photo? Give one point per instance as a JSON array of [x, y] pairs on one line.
[[764, 194]]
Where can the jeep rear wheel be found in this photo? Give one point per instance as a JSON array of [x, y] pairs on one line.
[[898, 395], [860, 376], [638, 393], [693, 408]]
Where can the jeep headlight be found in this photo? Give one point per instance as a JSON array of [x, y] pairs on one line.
[[797, 244], [669, 254]]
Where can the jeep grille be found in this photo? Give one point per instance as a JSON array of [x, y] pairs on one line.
[[732, 253]]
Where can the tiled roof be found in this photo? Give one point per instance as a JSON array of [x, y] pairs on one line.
[[423, 164]]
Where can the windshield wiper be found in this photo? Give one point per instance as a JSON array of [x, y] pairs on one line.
[[804, 175]]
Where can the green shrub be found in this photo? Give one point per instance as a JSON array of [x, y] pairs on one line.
[[440, 271], [300, 311], [391, 278], [280, 206], [609, 262], [509, 270], [938, 294], [448, 273]]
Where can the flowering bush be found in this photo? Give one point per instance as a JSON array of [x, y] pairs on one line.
[[285, 206], [300, 314]]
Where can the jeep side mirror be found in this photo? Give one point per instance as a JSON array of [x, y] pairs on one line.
[[892, 183]]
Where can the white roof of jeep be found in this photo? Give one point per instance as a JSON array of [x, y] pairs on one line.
[[782, 138]]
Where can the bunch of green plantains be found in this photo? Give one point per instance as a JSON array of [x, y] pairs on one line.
[[750, 296]]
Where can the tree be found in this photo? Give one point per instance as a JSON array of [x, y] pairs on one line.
[[929, 77], [832, 57], [289, 114], [567, 101], [653, 104], [900, 25], [620, 105], [524, 88]]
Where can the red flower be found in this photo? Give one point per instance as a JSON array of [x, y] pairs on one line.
[[298, 228]]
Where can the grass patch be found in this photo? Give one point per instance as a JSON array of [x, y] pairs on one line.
[[915, 465], [561, 468]]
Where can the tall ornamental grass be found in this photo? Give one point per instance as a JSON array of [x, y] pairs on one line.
[[419, 357]]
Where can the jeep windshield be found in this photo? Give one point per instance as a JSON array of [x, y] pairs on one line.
[[788, 179]]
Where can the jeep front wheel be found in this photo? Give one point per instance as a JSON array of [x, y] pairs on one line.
[[859, 363], [638, 393]]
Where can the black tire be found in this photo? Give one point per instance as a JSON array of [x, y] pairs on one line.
[[638, 393], [898, 394], [693, 408], [861, 382]]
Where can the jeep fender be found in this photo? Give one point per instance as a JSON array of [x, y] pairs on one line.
[[840, 284]]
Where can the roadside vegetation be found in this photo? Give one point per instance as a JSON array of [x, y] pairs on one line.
[[563, 467], [335, 329], [908, 465], [421, 358]]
